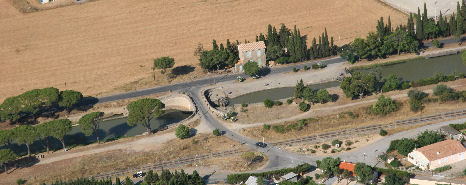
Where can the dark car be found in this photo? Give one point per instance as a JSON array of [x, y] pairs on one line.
[[261, 144], [139, 174]]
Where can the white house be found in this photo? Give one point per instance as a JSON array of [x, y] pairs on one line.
[[438, 154]]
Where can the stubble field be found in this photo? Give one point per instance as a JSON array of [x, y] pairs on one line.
[[107, 46]]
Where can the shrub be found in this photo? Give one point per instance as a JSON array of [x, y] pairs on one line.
[[295, 69], [405, 85], [395, 163], [464, 172], [289, 101], [428, 137], [251, 68], [325, 146], [242, 177], [383, 132], [415, 100], [182, 132], [266, 127], [403, 146], [279, 129], [437, 44], [277, 103], [442, 169], [441, 89], [348, 143], [268, 103], [336, 142], [306, 68], [463, 57], [244, 105], [303, 107], [333, 151], [383, 106], [217, 132], [282, 60]]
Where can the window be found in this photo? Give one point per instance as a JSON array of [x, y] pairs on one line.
[[258, 53], [249, 54]]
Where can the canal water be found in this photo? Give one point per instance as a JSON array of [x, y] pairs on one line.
[[410, 70]]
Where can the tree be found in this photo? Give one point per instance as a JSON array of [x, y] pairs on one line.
[[217, 132], [142, 111], [403, 146], [419, 26], [163, 63], [428, 137], [251, 68], [392, 82], [323, 96], [299, 89], [383, 106], [393, 179], [25, 134], [182, 132], [274, 52], [383, 132], [89, 124], [6, 137], [441, 89], [69, 99], [395, 163], [61, 127], [6, 156], [128, 181], [459, 22], [117, 181], [44, 131], [363, 171], [463, 57], [415, 100], [268, 103]]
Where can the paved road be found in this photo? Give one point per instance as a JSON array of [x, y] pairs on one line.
[[208, 81]]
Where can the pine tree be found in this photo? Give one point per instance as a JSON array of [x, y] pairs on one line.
[[424, 15], [459, 21], [117, 181], [419, 26], [389, 26], [380, 28], [452, 24], [284, 36]]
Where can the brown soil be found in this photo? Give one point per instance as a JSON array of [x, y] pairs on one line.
[[233, 163], [118, 159], [259, 113], [102, 46], [338, 121]]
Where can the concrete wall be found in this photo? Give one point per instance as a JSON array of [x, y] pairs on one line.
[[447, 160], [433, 6]]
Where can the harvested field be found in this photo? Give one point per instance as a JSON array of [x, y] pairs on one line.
[[101, 46]]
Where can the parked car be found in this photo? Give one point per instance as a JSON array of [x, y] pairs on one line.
[[261, 144]]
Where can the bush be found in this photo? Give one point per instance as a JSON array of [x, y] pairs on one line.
[[437, 44], [458, 127], [405, 85], [277, 103], [217, 132], [383, 132], [306, 68], [303, 107], [464, 172], [336, 142], [182, 132], [442, 169], [395, 163], [268, 103], [441, 89], [244, 105], [282, 60], [279, 129], [383, 106], [463, 57], [295, 69], [348, 143], [266, 127], [313, 151], [251, 68], [289, 101], [403, 146], [415, 100], [325, 146]]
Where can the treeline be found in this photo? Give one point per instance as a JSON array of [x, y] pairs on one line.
[[283, 46], [151, 178], [38, 102], [405, 38], [359, 84], [220, 57], [406, 145]]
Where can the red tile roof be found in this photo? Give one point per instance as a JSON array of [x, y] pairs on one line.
[[347, 166], [251, 46], [442, 149]]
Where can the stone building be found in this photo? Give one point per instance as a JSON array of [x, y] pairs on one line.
[[254, 51]]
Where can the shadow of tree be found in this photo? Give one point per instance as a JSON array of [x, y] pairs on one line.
[[183, 70]]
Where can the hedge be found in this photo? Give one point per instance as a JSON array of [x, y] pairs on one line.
[[442, 169], [242, 177], [458, 127], [398, 173]]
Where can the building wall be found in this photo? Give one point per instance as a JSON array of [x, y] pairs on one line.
[[418, 159], [257, 56], [447, 160]]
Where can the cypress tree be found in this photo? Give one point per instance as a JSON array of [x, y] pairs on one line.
[[419, 26], [380, 28], [459, 21], [389, 25], [214, 45], [424, 14], [269, 35], [452, 24], [411, 25], [221, 47], [284, 36]]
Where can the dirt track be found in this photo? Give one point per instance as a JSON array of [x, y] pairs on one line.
[[98, 46]]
